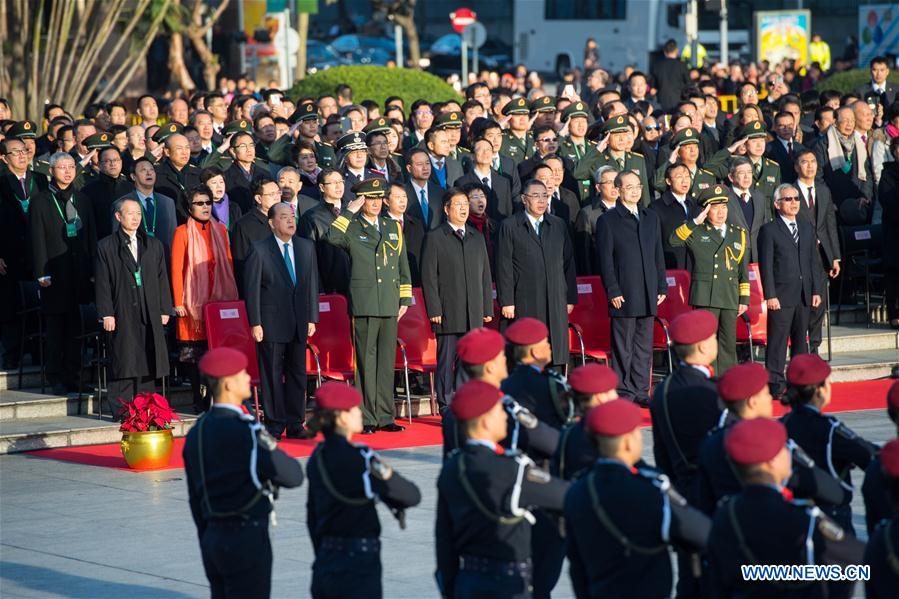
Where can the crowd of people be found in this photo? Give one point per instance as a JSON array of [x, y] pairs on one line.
[[273, 200]]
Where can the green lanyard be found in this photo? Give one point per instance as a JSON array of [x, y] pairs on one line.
[[151, 231], [71, 227], [577, 152]]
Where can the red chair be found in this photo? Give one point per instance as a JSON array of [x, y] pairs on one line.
[[589, 327], [416, 347], [227, 326], [677, 302], [332, 344], [752, 327]]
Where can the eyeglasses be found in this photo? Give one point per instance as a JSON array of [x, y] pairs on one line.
[[637, 187], [245, 146], [789, 199], [423, 112], [459, 205], [270, 194], [111, 161], [334, 183], [16, 152], [206, 203], [547, 140], [652, 127], [537, 196]]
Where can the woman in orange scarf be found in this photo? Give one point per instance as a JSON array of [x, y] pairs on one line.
[[202, 272]]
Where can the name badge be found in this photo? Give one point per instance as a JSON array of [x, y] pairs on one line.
[[71, 230], [703, 186], [738, 246], [137, 278], [705, 239], [363, 237], [392, 236], [770, 179]]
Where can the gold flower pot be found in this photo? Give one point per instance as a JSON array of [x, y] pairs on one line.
[[147, 450]]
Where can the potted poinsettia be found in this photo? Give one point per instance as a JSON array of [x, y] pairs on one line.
[[147, 431]]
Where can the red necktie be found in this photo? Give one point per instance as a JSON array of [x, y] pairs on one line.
[[811, 198]]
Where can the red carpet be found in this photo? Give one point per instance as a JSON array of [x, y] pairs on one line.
[[424, 431]]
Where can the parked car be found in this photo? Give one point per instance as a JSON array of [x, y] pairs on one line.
[[321, 56], [366, 49], [445, 55]]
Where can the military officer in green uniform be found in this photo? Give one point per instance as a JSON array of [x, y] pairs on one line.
[[380, 293], [451, 122], [305, 120], [613, 151], [26, 132], [686, 151], [765, 172], [720, 278], [518, 143], [222, 158], [575, 145], [543, 111]]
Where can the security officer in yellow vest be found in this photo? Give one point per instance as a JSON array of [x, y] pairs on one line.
[[613, 150], [574, 145], [380, 293], [720, 277]]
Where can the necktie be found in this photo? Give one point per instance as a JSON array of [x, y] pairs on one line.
[[537, 227], [460, 234], [790, 148], [439, 165], [424, 204], [723, 231], [132, 245], [744, 197], [151, 213], [811, 198], [486, 182], [865, 139], [795, 231], [289, 264], [620, 162], [22, 182], [757, 169]]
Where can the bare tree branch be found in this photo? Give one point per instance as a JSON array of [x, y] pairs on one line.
[[120, 78]]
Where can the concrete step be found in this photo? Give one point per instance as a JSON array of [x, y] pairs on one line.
[[858, 338], [31, 377], [863, 365], [29, 404]]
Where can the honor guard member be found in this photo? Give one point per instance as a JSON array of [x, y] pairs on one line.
[[575, 145], [720, 277], [482, 357], [591, 385], [380, 293], [744, 391], [346, 480], [483, 532], [615, 550], [882, 553], [685, 144], [827, 440], [518, 143], [763, 525], [877, 501], [232, 504], [305, 122], [617, 140]]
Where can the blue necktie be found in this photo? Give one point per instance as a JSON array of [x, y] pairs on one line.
[[424, 204], [150, 225], [289, 263]]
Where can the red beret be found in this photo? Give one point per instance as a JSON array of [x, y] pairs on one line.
[[526, 331], [893, 396], [693, 326], [755, 441], [614, 418], [807, 369], [889, 458], [479, 346], [742, 381], [593, 378], [474, 399], [337, 396], [222, 361]]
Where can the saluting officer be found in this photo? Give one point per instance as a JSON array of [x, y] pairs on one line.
[[720, 278], [482, 357], [380, 293], [304, 123], [483, 532], [877, 500], [685, 144], [518, 143], [761, 525], [346, 480], [614, 150], [231, 503], [765, 172], [616, 550], [744, 391], [575, 145], [881, 553], [827, 440]]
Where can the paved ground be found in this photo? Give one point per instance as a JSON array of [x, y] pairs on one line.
[[74, 531]]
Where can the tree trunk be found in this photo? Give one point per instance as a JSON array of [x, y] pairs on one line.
[[196, 32], [180, 77], [303, 30], [408, 25]]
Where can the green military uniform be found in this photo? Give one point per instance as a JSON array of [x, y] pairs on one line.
[[23, 130], [574, 151], [279, 151], [765, 172], [720, 279], [701, 178], [380, 283], [586, 166], [517, 148]]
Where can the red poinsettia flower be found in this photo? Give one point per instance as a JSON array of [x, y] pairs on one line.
[[146, 412]]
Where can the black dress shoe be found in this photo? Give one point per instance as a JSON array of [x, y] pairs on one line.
[[369, 429], [392, 428], [300, 433]]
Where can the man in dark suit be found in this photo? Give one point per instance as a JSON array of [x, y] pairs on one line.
[[135, 302], [886, 91], [562, 202], [396, 206], [817, 207], [64, 250], [243, 172], [175, 175], [158, 216], [455, 281], [103, 190], [535, 268], [281, 279], [635, 284], [333, 261], [500, 202], [444, 168], [425, 196], [791, 281], [671, 76], [784, 148], [748, 207], [604, 199], [504, 165], [252, 227], [673, 208]]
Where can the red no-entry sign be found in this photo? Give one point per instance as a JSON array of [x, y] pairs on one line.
[[462, 18]]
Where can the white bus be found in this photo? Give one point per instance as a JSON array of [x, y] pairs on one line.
[[549, 35]]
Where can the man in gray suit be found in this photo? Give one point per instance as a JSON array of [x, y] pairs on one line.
[[158, 211], [749, 209]]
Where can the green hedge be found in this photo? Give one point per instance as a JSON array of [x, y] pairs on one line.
[[377, 83], [847, 81]]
